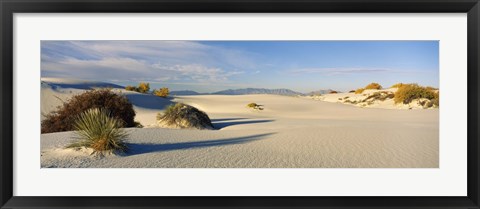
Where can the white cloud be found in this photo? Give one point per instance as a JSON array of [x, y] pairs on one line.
[[141, 60], [336, 71]]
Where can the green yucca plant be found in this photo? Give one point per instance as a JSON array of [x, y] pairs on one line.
[[96, 129]]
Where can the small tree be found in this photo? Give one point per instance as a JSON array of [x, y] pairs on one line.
[[162, 92], [143, 87]]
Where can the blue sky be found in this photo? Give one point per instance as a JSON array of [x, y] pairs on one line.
[[207, 66]]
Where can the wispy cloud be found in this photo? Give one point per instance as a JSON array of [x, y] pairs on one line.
[[142, 60], [340, 71]]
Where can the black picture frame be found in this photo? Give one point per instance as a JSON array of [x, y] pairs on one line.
[[9, 7]]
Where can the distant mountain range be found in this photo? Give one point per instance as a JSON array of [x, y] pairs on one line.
[[287, 92], [184, 92], [320, 92]]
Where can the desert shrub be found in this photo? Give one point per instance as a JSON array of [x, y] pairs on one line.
[[162, 92], [382, 96], [138, 124], [333, 92], [408, 92], [252, 105], [184, 116], [373, 86], [351, 91], [351, 102], [397, 85], [130, 88], [97, 129], [255, 106], [143, 87], [436, 99], [359, 91], [62, 119]]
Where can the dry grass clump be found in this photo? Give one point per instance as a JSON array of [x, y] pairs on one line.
[[359, 91], [333, 92], [382, 96], [142, 88], [162, 92], [255, 106], [97, 129], [409, 92], [62, 119], [351, 91], [373, 86], [184, 116], [350, 101], [130, 88], [397, 85], [252, 105]]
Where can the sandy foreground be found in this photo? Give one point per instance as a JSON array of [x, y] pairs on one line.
[[291, 132]]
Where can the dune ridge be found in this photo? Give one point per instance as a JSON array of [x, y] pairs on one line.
[[291, 132]]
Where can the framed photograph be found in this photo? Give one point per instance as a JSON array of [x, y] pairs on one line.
[[239, 104]]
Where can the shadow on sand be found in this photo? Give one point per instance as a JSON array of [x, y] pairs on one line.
[[149, 101], [219, 124], [136, 149], [226, 119]]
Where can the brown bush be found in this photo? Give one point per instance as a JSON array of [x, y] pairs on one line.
[[333, 92], [382, 96], [62, 119], [397, 85], [130, 88], [359, 91], [373, 86], [408, 92], [184, 116], [162, 92], [143, 87]]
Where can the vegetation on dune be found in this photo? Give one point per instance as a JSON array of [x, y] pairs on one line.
[[184, 116], [97, 129], [333, 92], [409, 92], [141, 88], [162, 92], [382, 96], [255, 106], [351, 91], [359, 91], [130, 88], [373, 86], [138, 124], [397, 85], [62, 119], [252, 105]]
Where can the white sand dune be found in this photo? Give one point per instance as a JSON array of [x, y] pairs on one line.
[[55, 91], [291, 132], [347, 98]]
